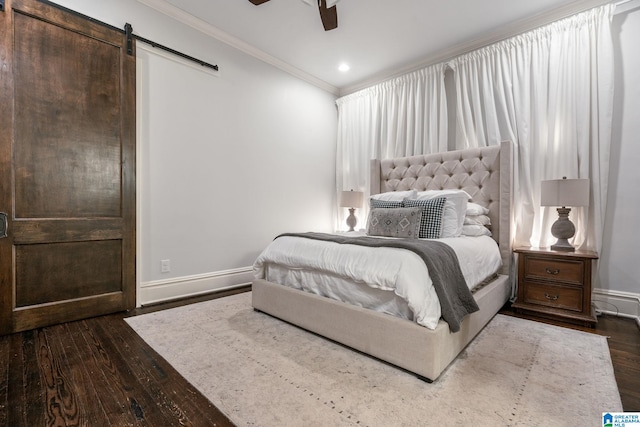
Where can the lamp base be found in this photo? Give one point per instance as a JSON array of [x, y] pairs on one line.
[[563, 229], [352, 221], [563, 245]]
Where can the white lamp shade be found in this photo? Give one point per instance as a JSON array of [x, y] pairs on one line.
[[564, 192], [351, 199]]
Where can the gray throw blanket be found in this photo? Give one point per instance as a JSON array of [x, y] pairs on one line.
[[455, 297]]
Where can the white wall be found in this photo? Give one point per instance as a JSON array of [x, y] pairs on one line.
[[619, 266], [226, 162]]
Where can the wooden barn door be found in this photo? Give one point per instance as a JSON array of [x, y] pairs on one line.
[[67, 167]]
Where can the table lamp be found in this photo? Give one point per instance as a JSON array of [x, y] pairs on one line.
[[352, 200], [562, 193]]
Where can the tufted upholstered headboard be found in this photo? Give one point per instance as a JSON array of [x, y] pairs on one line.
[[485, 173]]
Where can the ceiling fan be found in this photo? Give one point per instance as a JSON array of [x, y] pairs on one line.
[[327, 8]]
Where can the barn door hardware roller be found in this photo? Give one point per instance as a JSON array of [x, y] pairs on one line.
[[128, 31]]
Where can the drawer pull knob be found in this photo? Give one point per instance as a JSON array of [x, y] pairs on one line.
[[551, 298], [554, 272]]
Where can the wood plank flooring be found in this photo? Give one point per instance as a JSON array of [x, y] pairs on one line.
[[95, 372], [98, 372]]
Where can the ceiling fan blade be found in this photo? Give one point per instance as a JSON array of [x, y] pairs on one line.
[[258, 2], [329, 15]]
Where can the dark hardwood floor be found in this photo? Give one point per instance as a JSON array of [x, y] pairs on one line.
[[98, 372]]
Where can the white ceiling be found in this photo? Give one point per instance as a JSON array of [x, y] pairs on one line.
[[376, 38]]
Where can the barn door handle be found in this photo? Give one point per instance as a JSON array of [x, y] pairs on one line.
[[4, 225]]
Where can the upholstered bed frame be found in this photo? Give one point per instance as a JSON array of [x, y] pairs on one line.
[[485, 173]]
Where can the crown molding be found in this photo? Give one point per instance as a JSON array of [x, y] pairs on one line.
[[510, 30], [198, 24], [626, 6]]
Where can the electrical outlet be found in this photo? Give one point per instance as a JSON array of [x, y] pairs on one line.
[[165, 265]]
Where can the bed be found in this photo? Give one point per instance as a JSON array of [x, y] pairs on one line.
[[485, 174]]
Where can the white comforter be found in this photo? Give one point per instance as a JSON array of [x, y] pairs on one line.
[[391, 269]]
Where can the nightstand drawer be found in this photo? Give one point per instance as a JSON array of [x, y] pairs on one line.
[[565, 271], [566, 298], [555, 285]]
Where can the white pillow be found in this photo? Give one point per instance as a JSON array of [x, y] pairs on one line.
[[475, 230], [395, 196], [476, 209], [477, 220], [454, 209]]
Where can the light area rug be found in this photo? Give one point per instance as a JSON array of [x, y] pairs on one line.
[[261, 371]]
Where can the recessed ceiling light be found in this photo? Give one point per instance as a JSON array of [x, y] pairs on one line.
[[344, 68]]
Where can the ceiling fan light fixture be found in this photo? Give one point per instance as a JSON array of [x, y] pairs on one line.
[[327, 9]]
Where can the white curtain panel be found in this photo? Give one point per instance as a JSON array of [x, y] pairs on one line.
[[404, 116], [550, 91]]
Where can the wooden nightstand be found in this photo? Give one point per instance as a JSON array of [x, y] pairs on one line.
[[555, 285]]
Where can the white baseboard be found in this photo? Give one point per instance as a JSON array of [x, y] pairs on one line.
[[188, 286], [617, 303]]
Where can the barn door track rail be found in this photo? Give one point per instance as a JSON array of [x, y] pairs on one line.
[[128, 29]]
